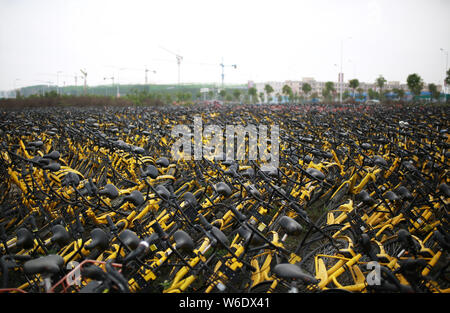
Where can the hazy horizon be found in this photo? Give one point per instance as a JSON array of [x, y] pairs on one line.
[[267, 40]]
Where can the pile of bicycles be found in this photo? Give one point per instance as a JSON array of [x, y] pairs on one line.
[[92, 201]]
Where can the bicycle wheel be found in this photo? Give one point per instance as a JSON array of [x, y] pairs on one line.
[[338, 196]]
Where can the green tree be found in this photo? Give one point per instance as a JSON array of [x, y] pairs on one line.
[[353, 83], [328, 90], [415, 84], [268, 89], [252, 92], [380, 81], [346, 94], [237, 94], [210, 94], [222, 93], [447, 79], [279, 98], [287, 91], [372, 94], [306, 88], [434, 91], [261, 96]]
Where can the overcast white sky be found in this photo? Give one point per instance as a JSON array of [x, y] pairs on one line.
[[268, 40]]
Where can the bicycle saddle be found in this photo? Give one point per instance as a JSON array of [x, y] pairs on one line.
[[138, 150], [93, 272], [404, 193], [315, 173], [271, 171], [183, 240], [25, 239], [442, 240], [54, 155], [219, 235], [129, 238], [190, 199], [135, 197], [122, 144], [223, 189], [407, 240], [227, 162], [151, 171], [71, 179], [254, 191], [391, 196], [445, 189], [307, 159], [290, 226], [365, 198], [365, 146], [36, 144], [49, 264], [54, 167], [246, 233], [110, 191], [409, 166], [162, 162], [412, 265], [60, 235], [378, 160], [163, 192], [292, 271], [99, 239]]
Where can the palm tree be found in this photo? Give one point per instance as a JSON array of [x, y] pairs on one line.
[[268, 89], [287, 90], [252, 92], [306, 88], [415, 84], [261, 96], [380, 83], [354, 83]]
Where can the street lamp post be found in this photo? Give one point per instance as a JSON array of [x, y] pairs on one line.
[[341, 74]]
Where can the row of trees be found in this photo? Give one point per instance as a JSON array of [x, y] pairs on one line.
[[414, 82]]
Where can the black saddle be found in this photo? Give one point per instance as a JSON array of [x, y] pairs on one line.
[[49, 264], [129, 238], [404, 193], [292, 271], [163, 192], [25, 239], [391, 196], [54, 155], [365, 198], [223, 189], [315, 173], [99, 239], [162, 162], [183, 240], [109, 191], [60, 235], [290, 226], [135, 197], [151, 171]]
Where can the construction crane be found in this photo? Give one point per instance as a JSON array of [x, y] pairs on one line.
[[84, 76], [223, 71], [179, 59]]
